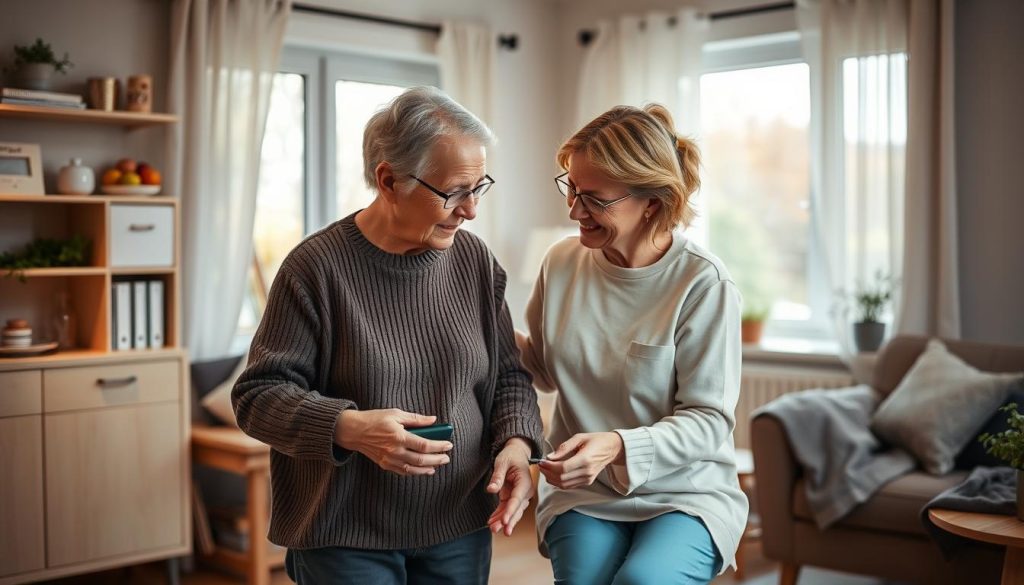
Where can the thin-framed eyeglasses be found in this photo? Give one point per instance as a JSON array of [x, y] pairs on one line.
[[459, 196], [592, 204]]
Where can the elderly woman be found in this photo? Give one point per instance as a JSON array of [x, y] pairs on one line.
[[389, 319], [642, 486]]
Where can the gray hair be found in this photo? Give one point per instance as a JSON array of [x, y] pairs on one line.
[[404, 132]]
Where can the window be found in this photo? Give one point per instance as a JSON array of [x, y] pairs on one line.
[[311, 170], [755, 118]]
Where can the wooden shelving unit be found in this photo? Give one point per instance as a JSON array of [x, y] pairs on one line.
[[70, 419]]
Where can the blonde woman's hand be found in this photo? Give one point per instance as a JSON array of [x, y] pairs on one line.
[[578, 461], [382, 437], [513, 483]]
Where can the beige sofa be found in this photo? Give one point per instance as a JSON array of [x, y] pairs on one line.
[[883, 536]]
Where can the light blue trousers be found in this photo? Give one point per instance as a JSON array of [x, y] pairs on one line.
[[671, 548]]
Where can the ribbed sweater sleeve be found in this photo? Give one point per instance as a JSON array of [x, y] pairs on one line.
[[276, 398], [515, 409]]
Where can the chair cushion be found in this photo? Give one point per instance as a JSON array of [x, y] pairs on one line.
[[218, 401], [896, 507], [939, 406]]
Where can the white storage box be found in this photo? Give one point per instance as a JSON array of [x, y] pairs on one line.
[[141, 236]]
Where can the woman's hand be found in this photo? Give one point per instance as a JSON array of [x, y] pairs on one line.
[[578, 461], [513, 483], [380, 435]]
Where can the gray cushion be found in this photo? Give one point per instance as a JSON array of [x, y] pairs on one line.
[[938, 406]]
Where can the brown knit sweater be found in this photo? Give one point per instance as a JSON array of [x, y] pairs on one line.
[[348, 325]]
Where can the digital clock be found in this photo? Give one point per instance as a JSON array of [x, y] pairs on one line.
[[21, 169]]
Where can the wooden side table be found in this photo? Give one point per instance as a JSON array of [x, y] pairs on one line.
[[231, 450], [999, 529], [752, 532]]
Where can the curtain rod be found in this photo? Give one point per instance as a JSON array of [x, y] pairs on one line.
[[431, 28], [510, 42], [587, 35]]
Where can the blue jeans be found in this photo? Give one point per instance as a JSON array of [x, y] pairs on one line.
[[464, 560], [671, 548]]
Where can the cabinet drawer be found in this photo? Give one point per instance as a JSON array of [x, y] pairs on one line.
[[141, 235], [110, 385], [21, 393]]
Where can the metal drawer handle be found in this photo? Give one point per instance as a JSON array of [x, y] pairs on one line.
[[141, 227], [115, 382]]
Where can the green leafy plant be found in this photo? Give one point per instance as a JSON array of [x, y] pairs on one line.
[[1009, 444], [45, 253], [870, 300], [40, 52]]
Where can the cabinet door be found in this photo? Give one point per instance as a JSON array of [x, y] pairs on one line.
[[114, 482], [21, 494]]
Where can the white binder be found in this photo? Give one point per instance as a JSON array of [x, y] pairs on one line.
[[122, 315], [156, 314], [140, 314]]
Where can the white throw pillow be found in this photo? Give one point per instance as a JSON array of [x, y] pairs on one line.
[[218, 401], [940, 405]]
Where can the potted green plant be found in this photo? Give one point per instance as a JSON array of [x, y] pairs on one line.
[[1008, 445], [869, 302], [35, 64]]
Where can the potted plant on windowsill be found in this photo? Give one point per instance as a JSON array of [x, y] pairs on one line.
[[35, 64], [870, 302], [1008, 445], [752, 324]]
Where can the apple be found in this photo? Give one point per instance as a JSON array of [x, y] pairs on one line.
[[127, 165], [130, 178], [141, 168], [149, 175]]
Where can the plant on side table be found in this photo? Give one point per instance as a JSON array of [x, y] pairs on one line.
[[35, 64], [1008, 445]]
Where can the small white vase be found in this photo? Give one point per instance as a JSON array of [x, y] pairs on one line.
[[75, 179]]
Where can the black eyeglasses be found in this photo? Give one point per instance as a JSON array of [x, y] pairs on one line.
[[591, 204], [459, 196]]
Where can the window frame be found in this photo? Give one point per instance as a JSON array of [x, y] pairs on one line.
[[753, 49]]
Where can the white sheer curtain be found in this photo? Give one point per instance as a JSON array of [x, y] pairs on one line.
[[224, 54], [467, 56], [857, 54], [638, 59]]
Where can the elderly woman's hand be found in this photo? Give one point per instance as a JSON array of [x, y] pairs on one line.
[[380, 435], [513, 483], [578, 461]]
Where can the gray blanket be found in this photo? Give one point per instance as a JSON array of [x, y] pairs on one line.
[[843, 462], [989, 490]]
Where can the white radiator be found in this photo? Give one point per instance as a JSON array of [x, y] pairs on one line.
[[762, 383]]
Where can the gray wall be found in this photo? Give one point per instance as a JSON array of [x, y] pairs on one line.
[[990, 168]]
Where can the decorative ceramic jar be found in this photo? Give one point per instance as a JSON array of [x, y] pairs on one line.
[[75, 179]]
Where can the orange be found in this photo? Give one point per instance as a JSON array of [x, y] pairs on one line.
[[150, 176], [111, 177], [130, 179]]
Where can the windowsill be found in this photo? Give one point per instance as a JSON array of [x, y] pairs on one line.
[[792, 351]]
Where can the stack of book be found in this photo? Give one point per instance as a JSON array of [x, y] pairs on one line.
[[35, 97]]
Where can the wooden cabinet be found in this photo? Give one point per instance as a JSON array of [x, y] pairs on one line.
[[94, 443]]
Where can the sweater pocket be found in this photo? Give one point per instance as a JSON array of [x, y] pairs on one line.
[[648, 378]]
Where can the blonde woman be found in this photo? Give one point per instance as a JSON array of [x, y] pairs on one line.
[[638, 330]]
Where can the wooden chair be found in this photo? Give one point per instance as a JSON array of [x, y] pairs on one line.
[[229, 449]]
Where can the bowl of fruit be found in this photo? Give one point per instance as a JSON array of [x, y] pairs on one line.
[[128, 177]]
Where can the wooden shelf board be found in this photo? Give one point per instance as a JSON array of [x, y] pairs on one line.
[[127, 119], [82, 357], [129, 271], [89, 199], [59, 272]]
